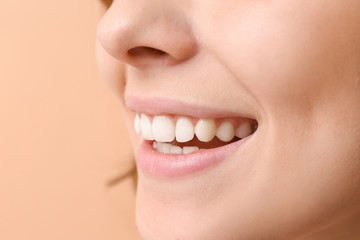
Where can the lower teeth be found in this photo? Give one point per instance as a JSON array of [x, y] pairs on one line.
[[194, 145], [168, 148]]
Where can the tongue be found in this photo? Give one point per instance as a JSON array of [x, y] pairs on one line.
[[204, 145]]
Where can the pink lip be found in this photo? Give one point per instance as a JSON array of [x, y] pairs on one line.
[[162, 165], [158, 106]]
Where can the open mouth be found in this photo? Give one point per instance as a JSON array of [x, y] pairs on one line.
[[173, 134], [181, 139]]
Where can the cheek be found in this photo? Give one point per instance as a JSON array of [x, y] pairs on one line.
[[289, 57]]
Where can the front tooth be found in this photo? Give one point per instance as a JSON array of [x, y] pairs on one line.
[[176, 150], [163, 129], [243, 130], [137, 125], [184, 130], [205, 130], [163, 147], [146, 128], [225, 131], [187, 150]]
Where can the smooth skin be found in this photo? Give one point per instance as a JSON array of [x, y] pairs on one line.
[[294, 66]]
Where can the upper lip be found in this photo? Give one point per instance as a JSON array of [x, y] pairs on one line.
[[160, 106]]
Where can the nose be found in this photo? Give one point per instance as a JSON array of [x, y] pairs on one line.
[[146, 33]]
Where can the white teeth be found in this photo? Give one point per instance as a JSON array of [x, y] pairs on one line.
[[167, 148], [176, 150], [187, 150], [184, 130], [163, 129], [137, 125], [163, 147], [146, 128], [205, 130], [243, 130], [225, 131]]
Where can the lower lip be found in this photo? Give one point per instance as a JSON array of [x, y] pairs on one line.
[[156, 164]]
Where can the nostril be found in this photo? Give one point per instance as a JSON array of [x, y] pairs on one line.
[[146, 52]]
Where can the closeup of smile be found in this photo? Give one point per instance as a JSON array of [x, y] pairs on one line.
[[242, 117], [176, 145]]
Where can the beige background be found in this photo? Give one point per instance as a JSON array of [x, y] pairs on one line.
[[61, 134]]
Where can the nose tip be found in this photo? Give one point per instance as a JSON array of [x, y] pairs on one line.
[[146, 36]]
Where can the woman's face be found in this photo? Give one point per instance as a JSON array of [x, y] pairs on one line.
[[290, 69]]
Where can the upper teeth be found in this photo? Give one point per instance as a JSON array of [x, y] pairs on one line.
[[205, 130], [184, 130], [225, 131], [163, 129]]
